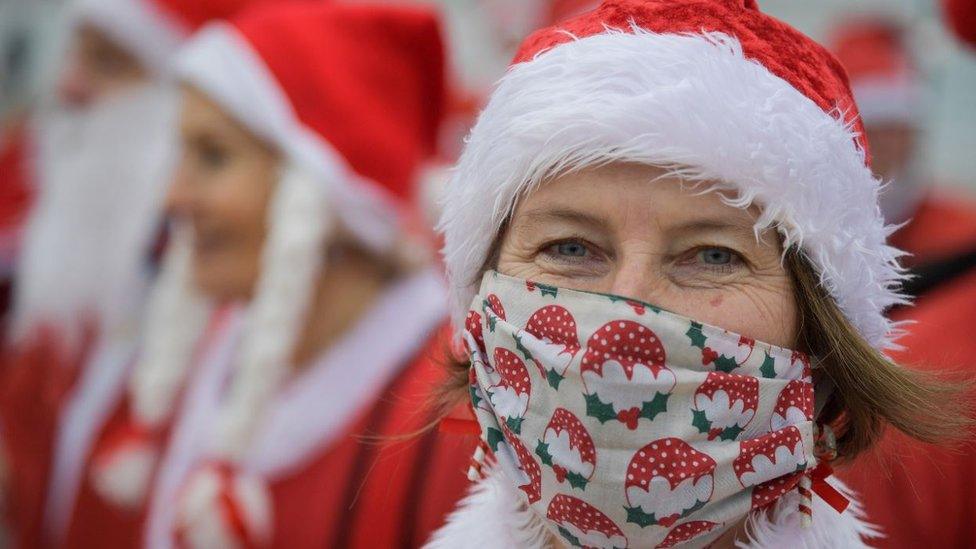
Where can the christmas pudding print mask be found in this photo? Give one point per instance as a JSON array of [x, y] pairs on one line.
[[626, 425]]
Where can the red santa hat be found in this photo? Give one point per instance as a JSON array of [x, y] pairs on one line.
[[714, 89], [960, 17], [882, 75], [153, 30], [351, 95], [560, 10]]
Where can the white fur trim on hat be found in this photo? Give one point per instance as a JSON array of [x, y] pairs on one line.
[[137, 25], [220, 62], [696, 105]]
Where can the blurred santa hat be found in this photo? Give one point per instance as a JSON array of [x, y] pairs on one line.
[[960, 16], [352, 97], [152, 30], [883, 76], [560, 10]]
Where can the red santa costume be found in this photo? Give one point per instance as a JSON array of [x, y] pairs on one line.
[[723, 93], [252, 453], [940, 235], [99, 171]]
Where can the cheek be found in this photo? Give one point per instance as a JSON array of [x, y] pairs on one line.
[[767, 314], [231, 226]]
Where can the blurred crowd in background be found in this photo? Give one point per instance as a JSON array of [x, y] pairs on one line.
[[142, 375]]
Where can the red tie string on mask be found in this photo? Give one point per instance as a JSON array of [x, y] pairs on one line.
[[815, 481]]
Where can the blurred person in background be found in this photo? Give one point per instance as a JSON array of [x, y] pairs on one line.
[[97, 152], [290, 334], [919, 494]]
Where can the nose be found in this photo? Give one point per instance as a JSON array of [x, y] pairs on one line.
[[179, 196], [639, 277], [74, 88]]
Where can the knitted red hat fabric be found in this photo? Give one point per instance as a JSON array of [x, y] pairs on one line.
[[783, 50], [715, 89]]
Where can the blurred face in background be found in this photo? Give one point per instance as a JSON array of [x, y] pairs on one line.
[[95, 67], [894, 158], [893, 146], [224, 182]]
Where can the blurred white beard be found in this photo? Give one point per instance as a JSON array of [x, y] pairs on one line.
[[102, 176]]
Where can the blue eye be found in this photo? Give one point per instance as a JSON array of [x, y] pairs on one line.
[[571, 249], [716, 256]]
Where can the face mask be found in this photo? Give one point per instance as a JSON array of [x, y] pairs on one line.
[[627, 425]]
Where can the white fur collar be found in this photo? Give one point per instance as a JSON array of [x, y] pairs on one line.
[[494, 510]]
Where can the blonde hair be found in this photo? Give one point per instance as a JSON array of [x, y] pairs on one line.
[[869, 390]]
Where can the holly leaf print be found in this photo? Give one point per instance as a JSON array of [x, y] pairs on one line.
[[637, 516], [492, 320], [725, 364], [597, 409], [768, 368], [545, 289], [576, 480], [542, 450], [554, 378], [514, 424], [495, 438], [521, 348], [696, 335], [655, 406], [700, 421], [730, 433], [573, 540], [475, 399]]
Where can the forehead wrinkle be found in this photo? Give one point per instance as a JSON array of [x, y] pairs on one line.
[[543, 215]]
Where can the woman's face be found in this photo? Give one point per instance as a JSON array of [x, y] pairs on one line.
[[222, 188], [615, 229]]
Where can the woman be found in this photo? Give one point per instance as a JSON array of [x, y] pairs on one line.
[[303, 126], [104, 128], [683, 243]]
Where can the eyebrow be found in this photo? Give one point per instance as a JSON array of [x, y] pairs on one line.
[[543, 215], [722, 225]]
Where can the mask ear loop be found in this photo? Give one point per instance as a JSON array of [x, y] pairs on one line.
[[815, 481]]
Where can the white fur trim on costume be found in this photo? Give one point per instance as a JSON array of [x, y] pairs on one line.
[[316, 407], [201, 522], [176, 316], [221, 63], [137, 25], [696, 105], [494, 514], [123, 475], [99, 389], [193, 425]]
